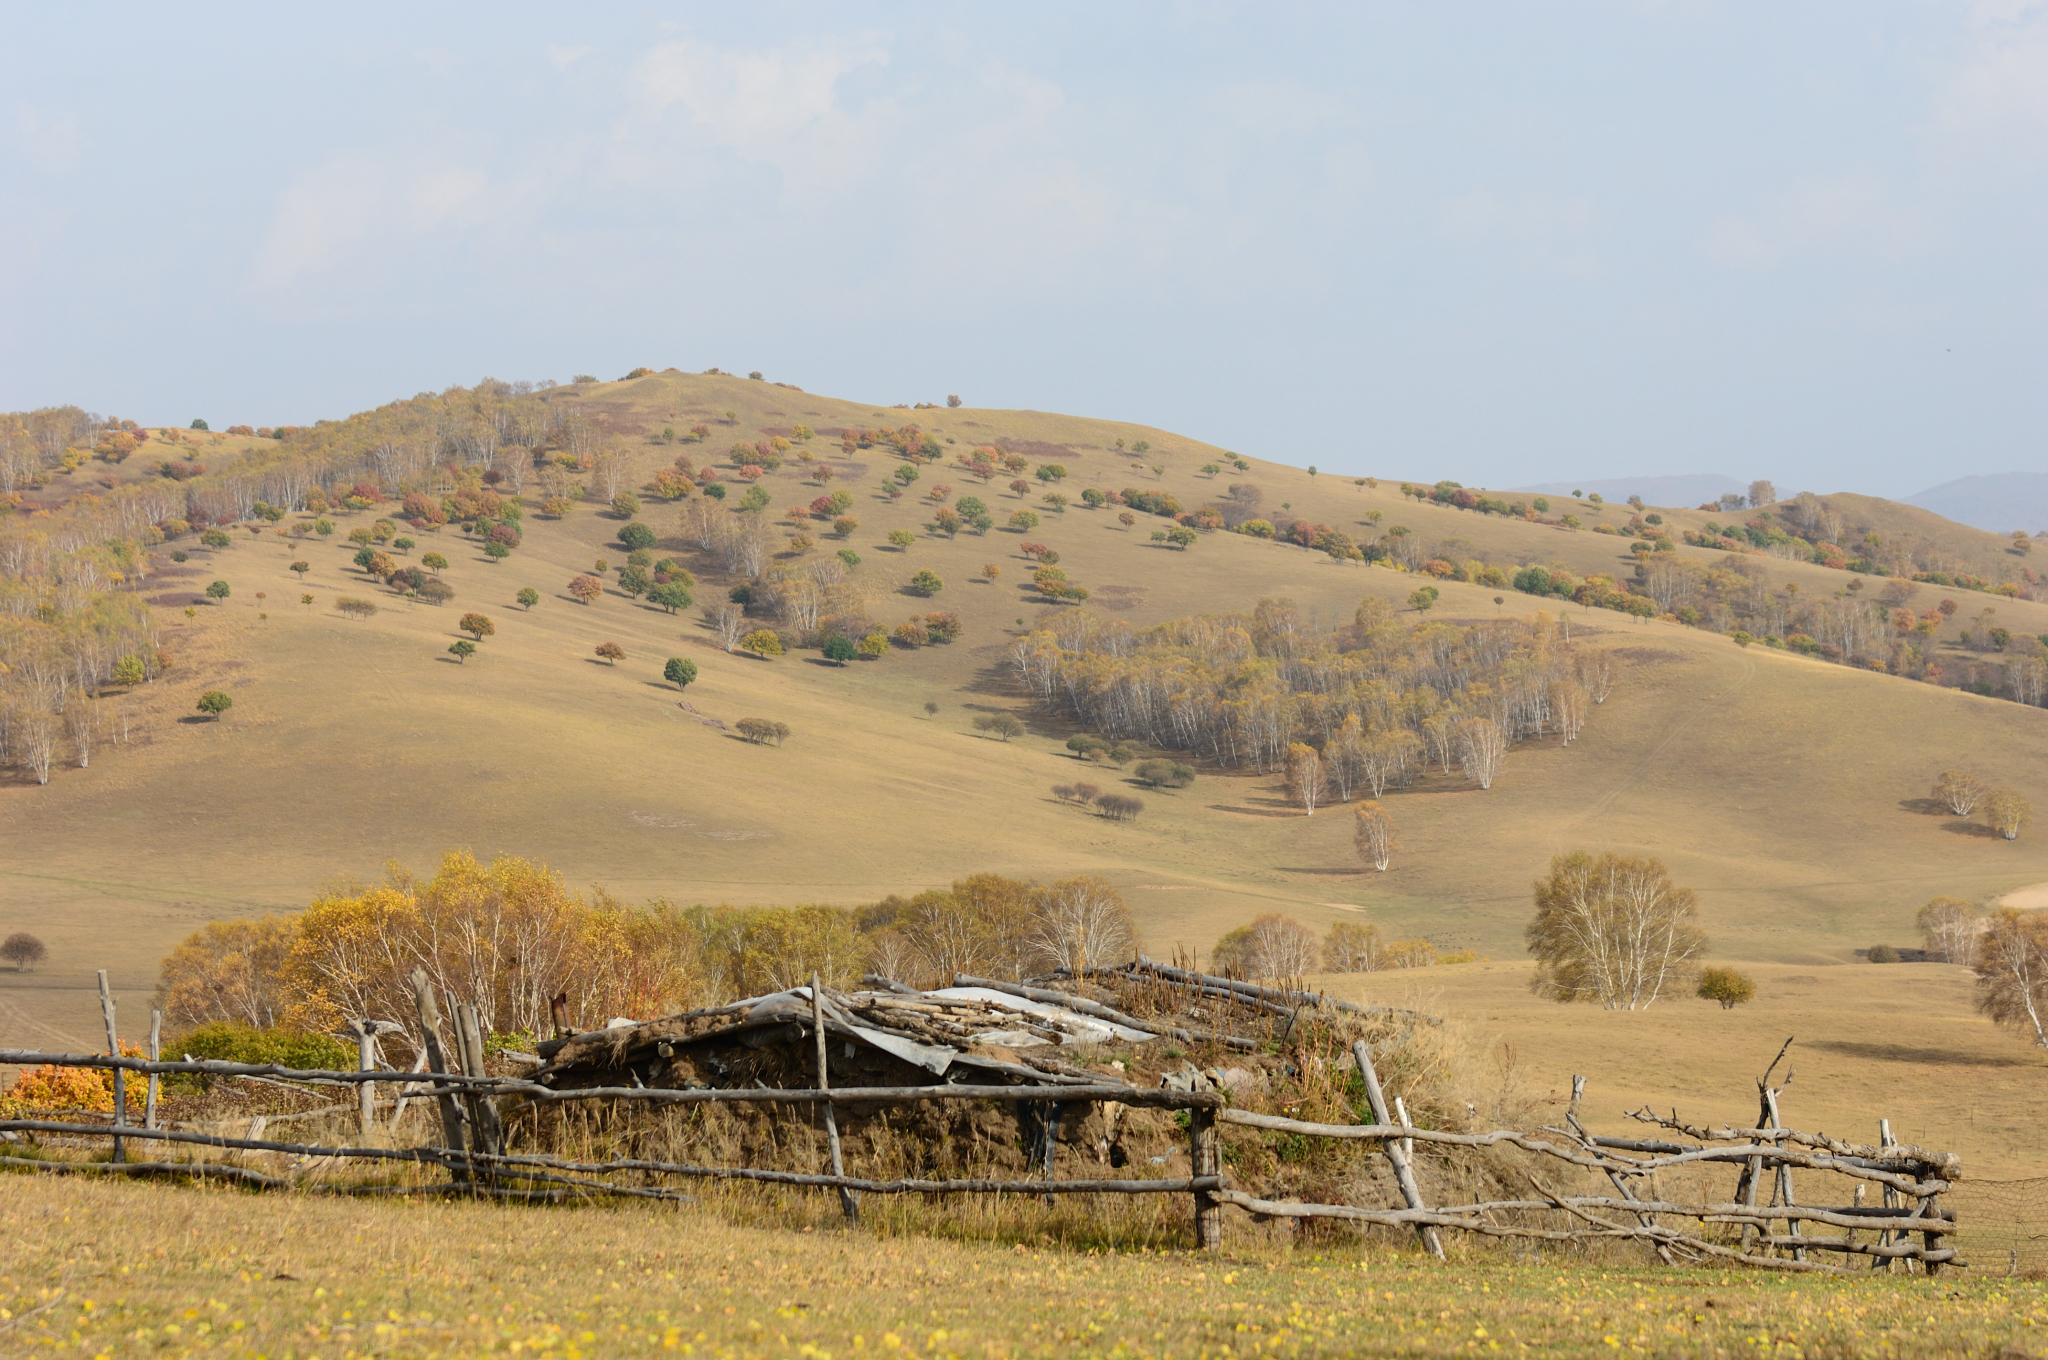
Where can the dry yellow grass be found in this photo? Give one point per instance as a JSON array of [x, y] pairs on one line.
[[164, 1271], [1783, 789]]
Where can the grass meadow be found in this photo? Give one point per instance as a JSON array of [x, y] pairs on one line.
[[121, 1270]]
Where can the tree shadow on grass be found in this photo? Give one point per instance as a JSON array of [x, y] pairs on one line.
[[1318, 871], [1936, 1057], [1925, 807], [1974, 830], [1252, 811]]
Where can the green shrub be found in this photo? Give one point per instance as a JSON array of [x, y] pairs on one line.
[[637, 535], [1882, 953], [1726, 986], [227, 1041]]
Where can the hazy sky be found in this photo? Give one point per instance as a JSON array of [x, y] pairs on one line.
[[1501, 243]]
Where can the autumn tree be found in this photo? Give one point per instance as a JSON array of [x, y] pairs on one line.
[[1726, 986], [611, 652], [927, 583], [761, 731], [23, 950], [1353, 947], [2011, 963], [1119, 807], [434, 562], [680, 671], [1303, 776], [1960, 791], [528, 597], [901, 539], [477, 626], [586, 588], [1949, 927], [1613, 929], [1373, 835], [2006, 812], [762, 642], [1272, 946], [301, 568]]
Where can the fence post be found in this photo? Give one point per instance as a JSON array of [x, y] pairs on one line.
[[430, 1025], [156, 1044], [120, 1082], [848, 1204], [1784, 1178], [1891, 1201], [366, 1061], [1204, 1159], [483, 1109], [1397, 1156]]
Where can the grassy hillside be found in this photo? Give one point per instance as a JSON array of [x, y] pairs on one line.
[[1789, 792]]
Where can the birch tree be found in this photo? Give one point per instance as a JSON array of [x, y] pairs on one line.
[[1374, 836], [1613, 929], [2012, 971], [1481, 748]]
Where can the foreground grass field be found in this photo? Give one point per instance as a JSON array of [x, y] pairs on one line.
[[131, 1270]]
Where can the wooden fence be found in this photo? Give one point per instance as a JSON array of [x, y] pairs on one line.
[[1771, 1230]]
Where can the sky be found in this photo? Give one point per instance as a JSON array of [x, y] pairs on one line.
[[1504, 243]]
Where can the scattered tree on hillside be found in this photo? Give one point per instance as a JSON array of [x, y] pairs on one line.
[[1960, 791], [477, 626], [1949, 927], [1353, 947], [931, 709], [352, 607], [1119, 808], [1003, 725], [1272, 946], [2011, 964], [1423, 599], [586, 588], [874, 646], [839, 649], [215, 704], [1761, 493], [1373, 836], [528, 597], [637, 536], [927, 583], [1613, 929], [218, 591], [1022, 520], [762, 642], [1726, 986], [434, 562], [301, 568], [1126, 518], [1303, 776], [611, 652], [2006, 812], [901, 539], [436, 593], [670, 595], [990, 571], [680, 671], [462, 650], [1163, 774], [761, 731], [23, 950], [625, 505]]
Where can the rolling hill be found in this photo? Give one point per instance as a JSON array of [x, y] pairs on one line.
[[1788, 791]]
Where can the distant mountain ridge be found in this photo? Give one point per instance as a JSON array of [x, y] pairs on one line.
[[2000, 502], [1669, 491]]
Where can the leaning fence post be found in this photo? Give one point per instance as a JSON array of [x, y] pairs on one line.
[[156, 1044], [366, 1061], [114, 1051], [1397, 1155], [1784, 1178], [848, 1204], [1205, 1159], [430, 1026]]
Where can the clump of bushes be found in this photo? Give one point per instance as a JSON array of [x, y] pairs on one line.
[[1726, 986]]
